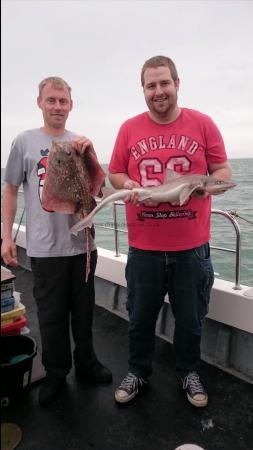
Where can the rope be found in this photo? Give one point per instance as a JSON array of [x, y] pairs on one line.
[[234, 213]]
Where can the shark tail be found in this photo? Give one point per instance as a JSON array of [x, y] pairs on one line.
[[86, 222]]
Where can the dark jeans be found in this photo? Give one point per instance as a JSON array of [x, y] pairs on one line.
[[62, 295], [187, 276]]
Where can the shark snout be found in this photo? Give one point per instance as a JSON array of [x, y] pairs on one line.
[[219, 186]]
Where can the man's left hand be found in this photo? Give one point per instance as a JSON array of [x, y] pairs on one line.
[[82, 144]]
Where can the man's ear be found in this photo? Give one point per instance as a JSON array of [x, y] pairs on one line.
[[39, 102]]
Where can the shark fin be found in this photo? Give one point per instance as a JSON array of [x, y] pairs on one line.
[[170, 175], [186, 192]]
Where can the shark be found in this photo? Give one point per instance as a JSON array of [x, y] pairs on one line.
[[176, 189]]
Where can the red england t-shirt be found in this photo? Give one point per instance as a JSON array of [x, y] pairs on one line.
[[143, 150]]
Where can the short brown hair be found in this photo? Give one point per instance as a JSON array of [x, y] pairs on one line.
[[56, 82], [157, 61]]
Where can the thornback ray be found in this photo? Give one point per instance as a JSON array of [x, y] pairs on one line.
[[71, 183]]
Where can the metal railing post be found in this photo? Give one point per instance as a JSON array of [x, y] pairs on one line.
[[116, 232], [237, 251]]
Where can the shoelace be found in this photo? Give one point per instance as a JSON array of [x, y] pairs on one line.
[[130, 383], [192, 380]]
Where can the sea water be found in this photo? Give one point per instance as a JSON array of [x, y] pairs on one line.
[[238, 200]]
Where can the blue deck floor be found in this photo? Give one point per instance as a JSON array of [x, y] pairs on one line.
[[86, 417]]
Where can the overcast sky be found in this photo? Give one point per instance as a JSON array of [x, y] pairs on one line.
[[99, 47]]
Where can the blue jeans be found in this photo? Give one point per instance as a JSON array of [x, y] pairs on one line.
[[187, 276]]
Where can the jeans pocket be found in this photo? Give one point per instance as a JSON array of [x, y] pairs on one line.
[[207, 283], [202, 252]]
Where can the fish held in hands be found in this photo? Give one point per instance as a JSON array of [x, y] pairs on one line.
[[176, 190], [72, 181]]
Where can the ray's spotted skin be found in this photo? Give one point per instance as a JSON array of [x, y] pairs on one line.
[[72, 181]]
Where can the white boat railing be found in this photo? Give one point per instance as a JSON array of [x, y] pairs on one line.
[[228, 215]]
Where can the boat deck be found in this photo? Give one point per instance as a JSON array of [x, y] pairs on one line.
[[86, 417]]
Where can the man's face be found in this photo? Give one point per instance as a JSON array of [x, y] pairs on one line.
[[55, 104], [160, 92]]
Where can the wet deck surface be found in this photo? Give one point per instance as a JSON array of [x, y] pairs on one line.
[[86, 417]]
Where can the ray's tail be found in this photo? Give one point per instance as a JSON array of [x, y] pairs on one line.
[[88, 235]]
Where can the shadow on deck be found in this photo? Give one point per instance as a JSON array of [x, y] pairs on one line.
[[86, 417]]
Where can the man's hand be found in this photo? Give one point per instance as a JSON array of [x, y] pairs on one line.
[[81, 144], [9, 252], [133, 196]]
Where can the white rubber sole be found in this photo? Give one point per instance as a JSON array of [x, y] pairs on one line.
[[198, 403], [120, 399]]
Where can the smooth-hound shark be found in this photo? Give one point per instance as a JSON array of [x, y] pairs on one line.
[[176, 190]]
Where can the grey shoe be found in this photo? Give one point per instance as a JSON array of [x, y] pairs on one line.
[[129, 388], [195, 390]]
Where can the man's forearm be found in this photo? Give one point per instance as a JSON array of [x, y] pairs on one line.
[[222, 171], [118, 179], [9, 209], [224, 174]]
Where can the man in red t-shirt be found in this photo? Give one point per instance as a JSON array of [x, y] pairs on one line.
[[168, 244]]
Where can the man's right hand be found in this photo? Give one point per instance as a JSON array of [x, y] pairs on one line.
[[9, 252], [133, 196]]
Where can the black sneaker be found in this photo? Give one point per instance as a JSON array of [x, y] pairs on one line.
[[129, 388], [50, 388], [195, 390], [96, 373]]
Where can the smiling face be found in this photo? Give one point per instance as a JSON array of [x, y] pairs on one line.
[[160, 91], [55, 103]]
